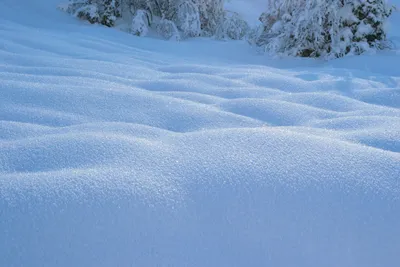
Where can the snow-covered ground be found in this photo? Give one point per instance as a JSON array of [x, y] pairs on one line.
[[124, 151]]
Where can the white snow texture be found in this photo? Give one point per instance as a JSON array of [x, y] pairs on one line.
[[117, 150]]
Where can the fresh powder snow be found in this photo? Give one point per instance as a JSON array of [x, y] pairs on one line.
[[118, 150]]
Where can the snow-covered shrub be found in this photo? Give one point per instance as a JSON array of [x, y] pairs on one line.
[[153, 7], [187, 18], [84, 9], [110, 12], [168, 30], [232, 27], [88, 12], [328, 28], [211, 15], [105, 12], [140, 23], [191, 17], [372, 15], [187, 14]]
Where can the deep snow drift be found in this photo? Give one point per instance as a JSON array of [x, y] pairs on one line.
[[125, 151]]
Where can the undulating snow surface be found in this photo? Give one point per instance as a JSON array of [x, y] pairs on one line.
[[124, 151]]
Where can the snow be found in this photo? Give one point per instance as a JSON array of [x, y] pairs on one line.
[[117, 150]]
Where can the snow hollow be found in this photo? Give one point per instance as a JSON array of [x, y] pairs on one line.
[[117, 150]]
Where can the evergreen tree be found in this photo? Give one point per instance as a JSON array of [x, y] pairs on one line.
[[187, 18], [183, 18], [232, 27], [105, 12], [328, 28], [111, 11], [141, 22]]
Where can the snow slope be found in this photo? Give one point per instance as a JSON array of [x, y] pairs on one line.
[[125, 151]]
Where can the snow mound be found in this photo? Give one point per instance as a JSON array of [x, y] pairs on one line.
[[121, 151]]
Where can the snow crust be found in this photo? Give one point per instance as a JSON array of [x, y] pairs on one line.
[[117, 150]]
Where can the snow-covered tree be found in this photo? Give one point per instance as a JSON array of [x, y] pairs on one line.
[[187, 18], [105, 12], [211, 15], [88, 12], [110, 12], [328, 28], [232, 27], [168, 30], [190, 17], [141, 22], [156, 8]]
